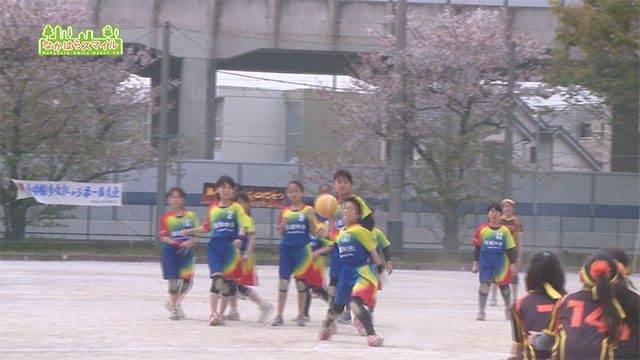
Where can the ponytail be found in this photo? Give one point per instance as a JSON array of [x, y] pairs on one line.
[[606, 297], [600, 274], [629, 300]]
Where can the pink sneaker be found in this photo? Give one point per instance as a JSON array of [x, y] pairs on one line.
[[325, 334], [359, 327], [215, 319], [374, 340]]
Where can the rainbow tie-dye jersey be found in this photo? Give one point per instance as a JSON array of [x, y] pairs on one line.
[[296, 225], [225, 222], [355, 244], [172, 225]]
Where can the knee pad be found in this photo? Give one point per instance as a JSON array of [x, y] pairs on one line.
[[228, 288], [355, 302], [484, 288], [333, 281], [357, 308], [283, 285], [174, 286], [243, 290], [184, 286], [217, 284], [301, 286]]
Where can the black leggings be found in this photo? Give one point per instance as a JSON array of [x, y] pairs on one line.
[[359, 310]]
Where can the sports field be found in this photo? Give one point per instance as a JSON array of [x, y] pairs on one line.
[[115, 310]]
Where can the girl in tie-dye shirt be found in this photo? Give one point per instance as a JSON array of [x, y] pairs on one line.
[[358, 280], [177, 251]]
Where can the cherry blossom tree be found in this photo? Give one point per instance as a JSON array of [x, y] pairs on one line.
[[456, 98], [63, 118]]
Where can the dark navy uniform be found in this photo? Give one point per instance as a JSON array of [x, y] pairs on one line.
[[532, 312], [581, 329], [628, 339]]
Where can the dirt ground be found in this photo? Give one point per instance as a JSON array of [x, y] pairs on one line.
[[115, 310]]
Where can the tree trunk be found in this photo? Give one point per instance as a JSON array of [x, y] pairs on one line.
[[625, 152], [451, 232], [15, 220]]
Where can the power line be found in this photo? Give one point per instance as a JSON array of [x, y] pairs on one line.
[[190, 39], [143, 35], [283, 81], [266, 97]]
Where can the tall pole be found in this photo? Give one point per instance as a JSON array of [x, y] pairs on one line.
[[162, 128], [396, 142], [508, 136]]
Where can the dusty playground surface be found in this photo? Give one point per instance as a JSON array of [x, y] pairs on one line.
[[115, 310]]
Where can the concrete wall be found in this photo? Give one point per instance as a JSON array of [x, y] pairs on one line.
[[229, 28]]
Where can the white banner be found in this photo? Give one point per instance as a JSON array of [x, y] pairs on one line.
[[70, 193]]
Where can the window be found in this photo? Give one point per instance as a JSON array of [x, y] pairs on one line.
[[585, 130], [293, 137], [533, 154]]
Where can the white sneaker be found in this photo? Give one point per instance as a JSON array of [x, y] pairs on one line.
[[265, 312], [174, 315], [306, 318], [232, 315], [277, 321]]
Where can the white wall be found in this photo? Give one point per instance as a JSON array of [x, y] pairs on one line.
[[253, 125], [565, 157]]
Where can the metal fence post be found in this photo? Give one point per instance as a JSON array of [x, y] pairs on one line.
[[271, 228], [592, 202], [88, 233], [151, 232], [561, 234]]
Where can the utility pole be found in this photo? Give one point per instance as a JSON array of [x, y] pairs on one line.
[[396, 143], [161, 134], [511, 82]]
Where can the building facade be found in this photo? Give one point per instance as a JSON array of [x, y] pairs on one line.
[[550, 133]]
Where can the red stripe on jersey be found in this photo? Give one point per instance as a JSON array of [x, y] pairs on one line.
[[544, 308]]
